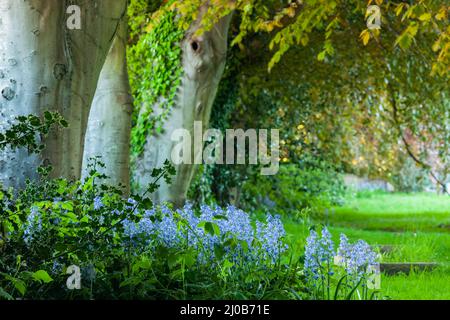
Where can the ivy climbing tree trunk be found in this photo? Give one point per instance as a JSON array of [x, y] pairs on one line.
[[108, 133], [203, 62], [44, 65]]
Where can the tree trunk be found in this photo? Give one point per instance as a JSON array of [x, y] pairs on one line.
[[108, 133], [46, 66], [203, 64]]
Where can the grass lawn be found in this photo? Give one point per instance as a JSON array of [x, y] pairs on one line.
[[416, 225]]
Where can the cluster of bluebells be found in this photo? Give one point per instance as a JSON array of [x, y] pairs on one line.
[[241, 239], [33, 225], [355, 257], [183, 228], [320, 256]]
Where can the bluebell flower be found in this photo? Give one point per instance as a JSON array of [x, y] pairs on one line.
[[169, 231], [132, 203], [311, 264], [33, 225], [98, 204]]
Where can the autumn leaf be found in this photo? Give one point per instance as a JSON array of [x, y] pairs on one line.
[[365, 36]]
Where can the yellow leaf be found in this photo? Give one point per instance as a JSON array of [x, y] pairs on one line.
[[425, 17], [441, 14], [365, 36], [436, 46], [304, 40], [291, 12], [399, 9]]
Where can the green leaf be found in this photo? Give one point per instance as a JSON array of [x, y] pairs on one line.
[[48, 116], [244, 245], [5, 295], [42, 276], [35, 122], [321, 56], [220, 217], [336, 293], [212, 228], [219, 251], [227, 264], [63, 123], [189, 260], [19, 285], [349, 296], [172, 260]]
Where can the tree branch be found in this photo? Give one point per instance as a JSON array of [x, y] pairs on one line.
[[424, 165]]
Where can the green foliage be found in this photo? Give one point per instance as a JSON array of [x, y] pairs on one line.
[[309, 186], [411, 177], [154, 64], [53, 224], [26, 130]]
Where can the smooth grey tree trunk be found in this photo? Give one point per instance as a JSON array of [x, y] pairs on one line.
[[203, 64], [108, 133], [46, 66]]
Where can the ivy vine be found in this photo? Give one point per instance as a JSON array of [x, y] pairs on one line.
[[155, 74]]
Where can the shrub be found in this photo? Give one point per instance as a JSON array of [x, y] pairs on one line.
[[312, 185]]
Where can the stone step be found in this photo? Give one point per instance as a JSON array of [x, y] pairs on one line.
[[391, 268]]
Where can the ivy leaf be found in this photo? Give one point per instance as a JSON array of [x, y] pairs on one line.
[[48, 116]]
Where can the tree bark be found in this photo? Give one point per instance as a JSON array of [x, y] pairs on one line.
[[203, 64], [108, 133], [46, 66]]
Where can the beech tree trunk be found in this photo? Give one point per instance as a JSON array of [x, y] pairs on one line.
[[108, 133], [46, 66], [203, 64]]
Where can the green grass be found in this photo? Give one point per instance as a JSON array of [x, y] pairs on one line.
[[416, 225], [418, 286], [395, 212]]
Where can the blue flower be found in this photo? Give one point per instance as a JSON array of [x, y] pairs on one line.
[[180, 229], [311, 265], [33, 225], [98, 204]]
